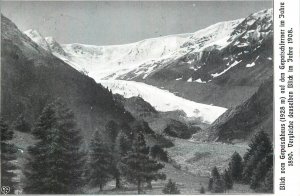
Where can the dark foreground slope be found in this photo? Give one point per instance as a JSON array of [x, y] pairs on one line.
[[241, 122], [32, 77]]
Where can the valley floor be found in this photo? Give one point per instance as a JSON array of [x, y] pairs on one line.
[[199, 158], [188, 184], [190, 166]]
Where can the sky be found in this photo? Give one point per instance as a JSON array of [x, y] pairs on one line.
[[120, 22]]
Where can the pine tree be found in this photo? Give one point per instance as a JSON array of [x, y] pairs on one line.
[[112, 130], [260, 172], [156, 152], [121, 147], [21, 124], [259, 148], [123, 144], [267, 185], [202, 190], [236, 167], [210, 184], [55, 164], [217, 182], [171, 188], [227, 180], [219, 185], [100, 159], [215, 173], [8, 154], [137, 166]]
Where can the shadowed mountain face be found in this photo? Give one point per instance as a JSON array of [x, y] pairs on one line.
[[244, 120], [31, 77]]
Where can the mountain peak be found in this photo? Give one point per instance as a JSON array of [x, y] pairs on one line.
[[38, 38]]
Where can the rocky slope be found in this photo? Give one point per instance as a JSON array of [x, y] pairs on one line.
[[172, 124], [241, 122]]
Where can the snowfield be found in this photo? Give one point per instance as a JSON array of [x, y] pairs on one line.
[[163, 100], [142, 58]]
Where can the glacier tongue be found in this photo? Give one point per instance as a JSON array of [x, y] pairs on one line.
[[163, 100]]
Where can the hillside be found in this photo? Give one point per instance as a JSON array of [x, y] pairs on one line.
[[173, 124], [242, 122], [31, 77]]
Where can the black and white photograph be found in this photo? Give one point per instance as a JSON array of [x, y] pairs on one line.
[[137, 97]]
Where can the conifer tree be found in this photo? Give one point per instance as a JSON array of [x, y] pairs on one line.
[[260, 172], [123, 144], [267, 185], [259, 148], [219, 185], [8, 154], [156, 152], [217, 181], [112, 130], [202, 190], [210, 184], [227, 180], [100, 160], [55, 164], [236, 167], [171, 188], [137, 166], [121, 147], [215, 173]]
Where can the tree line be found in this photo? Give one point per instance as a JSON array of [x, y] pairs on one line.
[[57, 164]]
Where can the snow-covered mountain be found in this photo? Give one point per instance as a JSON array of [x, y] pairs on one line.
[[141, 59], [163, 100]]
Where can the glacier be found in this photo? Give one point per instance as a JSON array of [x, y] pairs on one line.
[[163, 100]]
